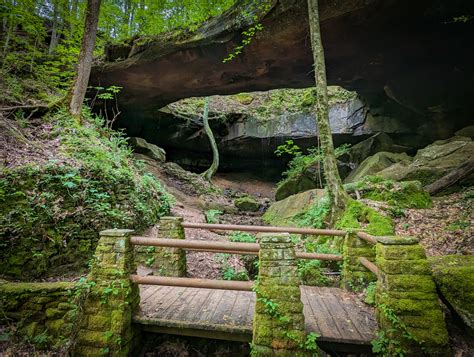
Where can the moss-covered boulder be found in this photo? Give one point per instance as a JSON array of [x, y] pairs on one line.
[[454, 277], [289, 211], [358, 215], [143, 147], [433, 161], [405, 194], [247, 203], [376, 163]]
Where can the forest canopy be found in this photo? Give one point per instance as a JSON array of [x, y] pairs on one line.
[[42, 38]]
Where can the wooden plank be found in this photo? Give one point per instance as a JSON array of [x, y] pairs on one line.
[[308, 312], [362, 315], [222, 312], [239, 312], [211, 306], [172, 312], [197, 304], [251, 310], [157, 305], [331, 298], [328, 327]]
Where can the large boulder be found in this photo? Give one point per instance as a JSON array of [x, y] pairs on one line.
[[454, 277], [376, 163], [286, 212], [141, 146], [381, 141], [433, 161]]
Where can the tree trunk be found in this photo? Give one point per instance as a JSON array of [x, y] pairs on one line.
[[451, 178], [79, 88], [336, 192], [215, 152], [54, 32]]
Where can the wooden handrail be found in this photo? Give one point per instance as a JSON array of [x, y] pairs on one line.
[[367, 237], [319, 256], [222, 247], [193, 283], [369, 265], [263, 229]]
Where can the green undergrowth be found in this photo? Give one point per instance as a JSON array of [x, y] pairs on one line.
[[304, 164], [52, 212]]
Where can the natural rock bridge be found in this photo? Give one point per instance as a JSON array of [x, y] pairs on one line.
[[275, 313]]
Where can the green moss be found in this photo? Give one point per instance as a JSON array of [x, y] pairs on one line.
[[358, 215], [454, 276], [247, 203], [243, 98]]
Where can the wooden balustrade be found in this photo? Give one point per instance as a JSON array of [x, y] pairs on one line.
[[193, 283], [266, 229], [369, 265], [222, 247], [367, 237]]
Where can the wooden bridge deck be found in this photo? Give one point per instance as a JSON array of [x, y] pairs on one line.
[[338, 316]]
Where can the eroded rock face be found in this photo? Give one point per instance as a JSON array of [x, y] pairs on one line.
[[409, 60]]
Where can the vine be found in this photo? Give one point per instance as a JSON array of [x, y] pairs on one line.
[[259, 9]]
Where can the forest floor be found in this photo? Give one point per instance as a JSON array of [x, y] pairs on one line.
[[445, 228]]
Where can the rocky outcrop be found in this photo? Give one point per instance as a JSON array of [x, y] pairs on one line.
[[428, 165], [287, 211], [250, 123], [141, 146], [376, 163], [454, 277], [423, 90], [433, 161]]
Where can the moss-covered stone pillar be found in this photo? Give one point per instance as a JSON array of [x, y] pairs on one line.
[[170, 261], [106, 325], [354, 275], [407, 303], [278, 325]]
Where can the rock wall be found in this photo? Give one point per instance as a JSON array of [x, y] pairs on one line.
[[44, 312]]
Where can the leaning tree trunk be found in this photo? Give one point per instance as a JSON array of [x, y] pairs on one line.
[[335, 189], [79, 88], [215, 152]]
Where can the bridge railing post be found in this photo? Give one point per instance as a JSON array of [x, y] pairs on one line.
[[354, 275], [407, 305], [278, 327], [165, 261], [106, 323]]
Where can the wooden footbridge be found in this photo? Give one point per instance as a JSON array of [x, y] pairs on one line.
[[275, 312], [343, 322], [225, 309]]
